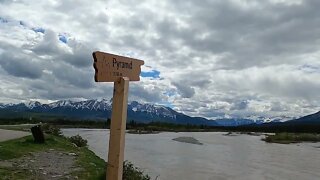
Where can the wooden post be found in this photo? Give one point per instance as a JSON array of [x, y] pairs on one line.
[[117, 129], [120, 70]]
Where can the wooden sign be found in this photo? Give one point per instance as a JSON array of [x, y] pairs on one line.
[[120, 70], [110, 67]]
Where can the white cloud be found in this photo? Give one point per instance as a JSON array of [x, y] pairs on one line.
[[216, 58]]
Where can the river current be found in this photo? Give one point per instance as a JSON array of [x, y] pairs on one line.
[[241, 157]]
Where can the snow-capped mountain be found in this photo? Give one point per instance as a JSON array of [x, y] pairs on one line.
[[101, 109], [88, 104], [309, 119], [32, 104], [152, 109], [140, 112]]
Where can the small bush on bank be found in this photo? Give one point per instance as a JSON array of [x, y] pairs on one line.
[[50, 129], [78, 140], [130, 172]]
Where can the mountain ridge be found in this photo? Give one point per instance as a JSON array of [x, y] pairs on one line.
[[140, 112], [101, 109], [308, 119]]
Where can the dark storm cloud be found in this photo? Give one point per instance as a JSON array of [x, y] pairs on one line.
[[298, 88], [184, 90], [74, 76], [145, 93], [49, 45], [187, 82], [20, 65], [241, 105], [212, 113], [194, 78], [79, 55], [245, 36], [60, 89], [278, 106]]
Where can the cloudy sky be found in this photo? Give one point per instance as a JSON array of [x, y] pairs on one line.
[[211, 58]]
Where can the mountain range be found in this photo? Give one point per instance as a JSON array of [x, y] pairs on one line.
[[100, 110], [139, 112], [309, 119]]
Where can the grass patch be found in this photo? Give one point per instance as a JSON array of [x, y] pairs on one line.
[[11, 173], [89, 166], [20, 127], [19, 147], [287, 138]]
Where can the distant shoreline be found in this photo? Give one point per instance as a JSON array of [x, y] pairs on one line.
[[156, 127]]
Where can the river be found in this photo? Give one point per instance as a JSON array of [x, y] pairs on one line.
[[241, 157]]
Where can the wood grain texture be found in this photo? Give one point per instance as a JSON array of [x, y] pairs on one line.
[[110, 67], [117, 129]]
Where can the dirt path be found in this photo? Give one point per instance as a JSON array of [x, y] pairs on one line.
[[47, 165], [10, 134]]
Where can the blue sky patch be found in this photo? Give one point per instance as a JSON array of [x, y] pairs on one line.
[[41, 30], [63, 39], [153, 74]]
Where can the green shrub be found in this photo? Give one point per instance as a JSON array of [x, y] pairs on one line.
[[78, 140], [50, 129], [130, 172], [292, 137]]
